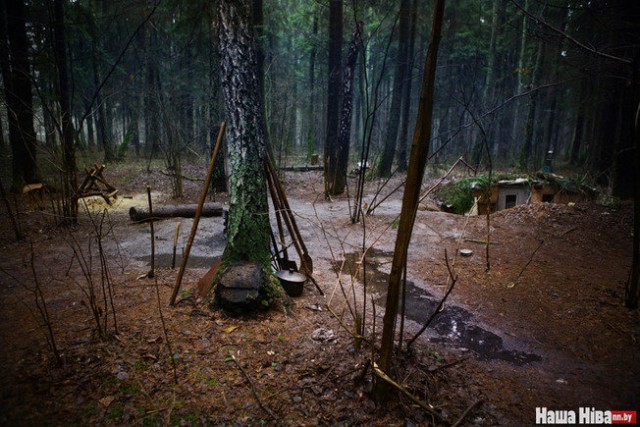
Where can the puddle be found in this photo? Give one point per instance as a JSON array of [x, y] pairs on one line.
[[454, 325]]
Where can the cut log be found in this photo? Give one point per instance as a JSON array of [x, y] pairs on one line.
[[176, 211]]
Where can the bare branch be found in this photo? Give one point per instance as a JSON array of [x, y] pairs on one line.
[[570, 38], [253, 387], [438, 309], [426, 407]]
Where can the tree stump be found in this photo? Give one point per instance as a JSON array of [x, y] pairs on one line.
[[240, 287]]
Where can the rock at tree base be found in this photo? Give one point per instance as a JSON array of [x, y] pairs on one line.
[[239, 288]]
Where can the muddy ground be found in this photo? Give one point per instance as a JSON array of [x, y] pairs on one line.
[[544, 326]]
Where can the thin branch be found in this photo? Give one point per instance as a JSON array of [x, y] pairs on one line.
[[438, 309], [253, 387], [448, 365], [426, 407], [466, 412], [41, 305], [570, 38], [355, 335], [166, 333], [515, 282]]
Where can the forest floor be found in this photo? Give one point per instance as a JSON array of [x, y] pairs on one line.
[[543, 327]]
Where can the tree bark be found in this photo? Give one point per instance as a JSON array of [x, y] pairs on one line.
[[340, 179], [417, 165], [248, 225], [333, 98], [151, 110], [312, 140], [391, 139], [633, 286], [528, 147], [406, 97], [219, 177], [576, 143], [16, 76], [70, 185], [521, 71]]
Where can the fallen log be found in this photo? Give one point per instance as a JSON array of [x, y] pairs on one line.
[[301, 168], [176, 211]]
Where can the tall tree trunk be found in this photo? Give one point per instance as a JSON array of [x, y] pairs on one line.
[[70, 185], [219, 178], [16, 75], [417, 165], [151, 110], [406, 96], [633, 286], [48, 120], [528, 147], [248, 224], [103, 124], [391, 138], [487, 97], [604, 129], [344, 136], [576, 143], [3, 143], [521, 71], [312, 139], [90, 132], [333, 98], [490, 87]]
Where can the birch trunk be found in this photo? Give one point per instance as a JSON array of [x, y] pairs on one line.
[[248, 224]]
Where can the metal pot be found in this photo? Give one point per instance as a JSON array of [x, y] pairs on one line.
[[292, 281]]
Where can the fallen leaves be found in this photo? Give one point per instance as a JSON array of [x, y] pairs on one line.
[[230, 329], [107, 401]]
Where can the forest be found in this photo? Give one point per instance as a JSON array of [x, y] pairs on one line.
[[454, 185]]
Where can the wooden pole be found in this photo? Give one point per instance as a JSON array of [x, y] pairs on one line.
[[305, 258], [194, 227], [151, 272], [410, 200]]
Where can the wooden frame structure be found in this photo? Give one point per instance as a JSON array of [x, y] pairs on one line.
[[95, 184]]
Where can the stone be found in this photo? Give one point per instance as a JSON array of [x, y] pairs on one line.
[[324, 335], [240, 287]]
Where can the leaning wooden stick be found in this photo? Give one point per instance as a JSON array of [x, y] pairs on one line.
[[151, 272], [194, 227], [305, 258], [175, 244]]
